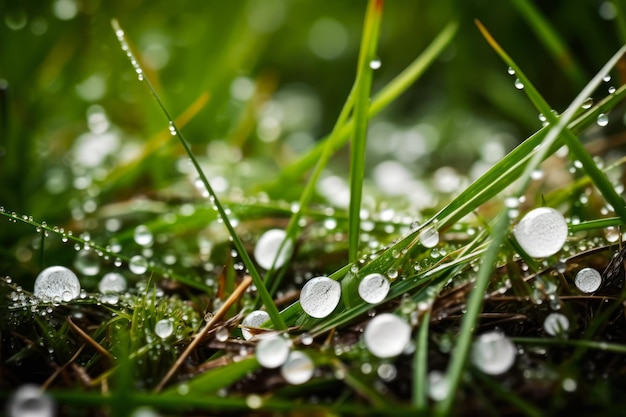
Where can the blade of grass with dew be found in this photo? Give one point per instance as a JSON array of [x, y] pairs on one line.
[[308, 192], [551, 40], [362, 90], [474, 305], [123, 377], [559, 126], [380, 101], [266, 298], [68, 236]]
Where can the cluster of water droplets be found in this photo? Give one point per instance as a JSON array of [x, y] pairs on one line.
[[274, 351], [126, 48]]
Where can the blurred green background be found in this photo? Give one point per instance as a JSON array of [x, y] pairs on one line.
[[78, 131]]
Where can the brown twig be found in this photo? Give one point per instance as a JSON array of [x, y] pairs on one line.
[[199, 336], [89, 339]]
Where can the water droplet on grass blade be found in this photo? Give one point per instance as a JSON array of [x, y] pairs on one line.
[[603, 120], [510, 71], [320, 296], [373, 288], [142, 235], [386, 335], [541, 232], [272, 351], [493, 353], [138, 264], [588, 280], [438, 386], [518, 84], [375, 64], [556, 324], [298, 368], [587, 103], [57, 283], [267, 247], [30, 401], [164, 328], [254, 319], [112, 282], [429, 237], [222, 334]]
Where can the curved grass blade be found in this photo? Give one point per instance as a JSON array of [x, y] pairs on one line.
[[264, 294], [551, 39], [559, 126]]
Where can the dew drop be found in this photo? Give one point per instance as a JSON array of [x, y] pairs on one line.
[[272, 351], [438, 386], [138, 265], [375, 64], [611, 90], [373, 288], [493, 353], [541, 232], [588, 280], [602, 120], [222, 334], [254, 401], [587, 103], [518, 84], [386, 335], [320, 296], [306, 339], [556, 324], [143, 236], [57, 283], [254, 319], [298, 368], [510, 71], [267, 247], [164, 328], [606, 78], [429, 237], [30, 401], [112, 282]]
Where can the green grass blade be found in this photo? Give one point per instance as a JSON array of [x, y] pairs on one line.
[[210, 382], [474, 305], [381, 100], [551, 39], [264, 294], [363, 86], [559, 126], [420, 366]]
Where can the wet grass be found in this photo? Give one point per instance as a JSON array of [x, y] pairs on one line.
[[99, 354]]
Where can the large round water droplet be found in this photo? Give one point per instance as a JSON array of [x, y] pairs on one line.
[[254, 319], [143, 235], [373, 288], [112, 282], [603, 120], [164, 328], [493, 353], [519, 84], [386, 335], [267, 247], [56, 283], [30, 401], [320, 296], [541, 232], [588, 280], [272, 351], [429, 237], [298, 368], [138, 264], [556, 324]]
